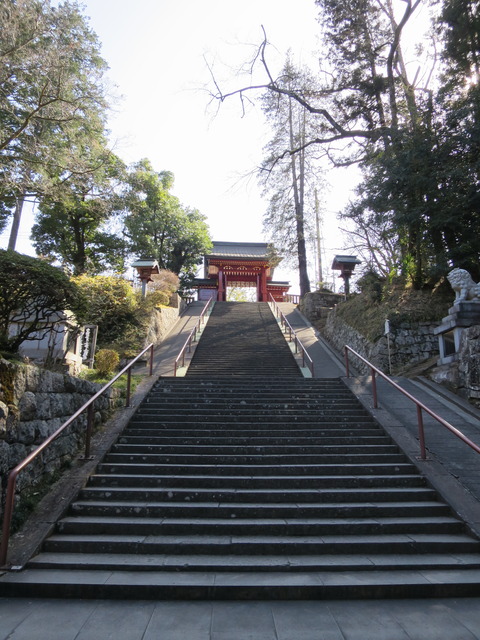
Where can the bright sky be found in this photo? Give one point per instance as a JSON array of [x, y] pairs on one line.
[[156, 50]]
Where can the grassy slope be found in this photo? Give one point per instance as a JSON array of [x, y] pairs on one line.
[[366, 312]]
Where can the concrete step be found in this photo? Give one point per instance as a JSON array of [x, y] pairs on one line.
[[324, 433], [210, 585], [294, 563], [294, 393], [271, 422], [138, 446], [258, 523], [317, 470], [139, 473], [215, 406], [177, 442], [131, 454], [124, 504], [260, 544], [286, 413], [129, 487]]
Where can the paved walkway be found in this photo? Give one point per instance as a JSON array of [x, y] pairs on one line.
[[167, 352], [327, 363], [451, 467], [335, 620]]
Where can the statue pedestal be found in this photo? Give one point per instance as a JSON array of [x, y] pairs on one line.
[[463, 314]]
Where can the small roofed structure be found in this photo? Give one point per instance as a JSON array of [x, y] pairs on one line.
[[146, 267], [346, 266], [240, 264]]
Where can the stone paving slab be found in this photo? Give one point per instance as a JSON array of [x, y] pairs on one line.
[[416, 619]]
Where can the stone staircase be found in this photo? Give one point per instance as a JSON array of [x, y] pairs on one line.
[[253, 487], [242, 339]]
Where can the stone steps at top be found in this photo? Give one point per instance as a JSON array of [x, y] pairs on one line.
[[241, 340]]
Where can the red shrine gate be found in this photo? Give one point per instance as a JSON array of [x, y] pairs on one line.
[[239, 264]]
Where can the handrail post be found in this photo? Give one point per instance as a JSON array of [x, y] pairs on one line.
[[347, 363], [421, 433], [374, 389], [151, 360], [129, 384], [7, 516], [88, 434], [420, 406]]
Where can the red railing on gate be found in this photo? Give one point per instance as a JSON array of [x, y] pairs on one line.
[[420, 406], [89, 407], [292, 336], [192, 337]]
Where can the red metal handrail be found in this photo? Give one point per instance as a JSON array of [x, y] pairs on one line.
[[192, 336], [88, 406], [293, 336], [420, 406]]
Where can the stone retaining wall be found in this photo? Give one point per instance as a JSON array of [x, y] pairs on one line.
[[410, 343], [316, 306], [34, 403], [161, 321], [469, 364], [463, 374]]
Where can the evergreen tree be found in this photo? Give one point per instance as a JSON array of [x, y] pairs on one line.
[[72, 223], [52, 97], [158, 226]]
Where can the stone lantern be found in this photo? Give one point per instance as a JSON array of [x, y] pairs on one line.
[[146, 267], [346, 266]]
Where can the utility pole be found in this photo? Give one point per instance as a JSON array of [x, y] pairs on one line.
[[319, 242]]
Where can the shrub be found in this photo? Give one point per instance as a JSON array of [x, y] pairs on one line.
[[111, 305], [371, 285], [166, 281], [153, 300], [32, 293], [106, 361]]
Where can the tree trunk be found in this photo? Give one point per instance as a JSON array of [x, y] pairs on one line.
[[298, 182], [17, 217]]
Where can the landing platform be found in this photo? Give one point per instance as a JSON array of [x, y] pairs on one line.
[[42, 619]]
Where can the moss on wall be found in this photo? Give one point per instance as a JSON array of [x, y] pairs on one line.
[[7, 382]]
